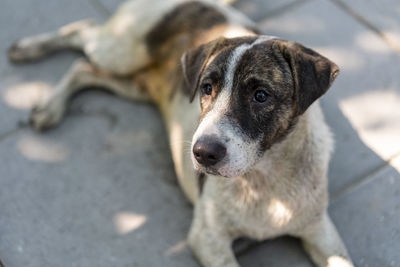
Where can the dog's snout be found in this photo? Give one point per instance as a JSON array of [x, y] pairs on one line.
[[208, 151]]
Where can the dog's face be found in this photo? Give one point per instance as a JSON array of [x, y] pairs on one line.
[[252, 89]]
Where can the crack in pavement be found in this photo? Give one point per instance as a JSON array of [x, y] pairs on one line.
[[101, 113], [111, 118], [367, 23], [20, 125], [362, 180]]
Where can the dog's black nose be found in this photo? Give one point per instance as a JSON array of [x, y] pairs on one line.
[[208, 151]]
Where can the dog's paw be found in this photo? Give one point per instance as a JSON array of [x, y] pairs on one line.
[[25, 50], [46, 115]]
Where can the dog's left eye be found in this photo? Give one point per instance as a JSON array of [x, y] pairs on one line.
[[207, 89], [260, 96]]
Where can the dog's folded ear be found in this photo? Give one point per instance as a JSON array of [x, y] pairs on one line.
[[194, 62], [312, 73]]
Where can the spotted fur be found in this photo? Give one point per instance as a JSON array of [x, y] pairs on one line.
[[272, 177]]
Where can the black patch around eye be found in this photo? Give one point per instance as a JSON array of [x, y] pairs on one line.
[[260, 96], [206, 89]]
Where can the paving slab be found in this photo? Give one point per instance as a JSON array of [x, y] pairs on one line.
[[284, 251], [258, 9], [368, 219], [362, 105], [109, 5], [20, 85], [383, 16], [255, 9], [99, 190]]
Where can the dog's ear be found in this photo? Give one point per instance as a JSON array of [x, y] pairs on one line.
[[194, 62], [312, 73]]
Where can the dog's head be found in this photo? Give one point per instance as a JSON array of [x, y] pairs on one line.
[[252, 90]]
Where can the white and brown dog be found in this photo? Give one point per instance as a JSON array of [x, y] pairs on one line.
[[260, 146]]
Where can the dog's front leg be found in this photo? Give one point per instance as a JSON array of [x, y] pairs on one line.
[[208, 239], [322, 241]]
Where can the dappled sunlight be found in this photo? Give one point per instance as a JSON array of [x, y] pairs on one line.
[[38, 149], [234, 31], [337, 261], [176, 249], [279, 213], [375, 115], [126, 222], [394, 38], [248, 192], [369, 42], [25, 95], [395, 162]]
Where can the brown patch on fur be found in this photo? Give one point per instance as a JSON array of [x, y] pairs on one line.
[[180, 22], [312, 73]]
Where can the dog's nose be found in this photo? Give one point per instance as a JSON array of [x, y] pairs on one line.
[[208, 151]]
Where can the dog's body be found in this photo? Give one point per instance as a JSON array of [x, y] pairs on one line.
[[272, 143]]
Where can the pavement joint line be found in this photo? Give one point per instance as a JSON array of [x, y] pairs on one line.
[[367, 23], [21, 125], [350, 187], [244, 245], [281, 10], [100, 8], [102, 113], [111, 118]]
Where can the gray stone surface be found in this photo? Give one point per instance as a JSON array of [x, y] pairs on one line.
[[259, 9], [368, 219], [383, 16], [108, 5], [100, 189], [97, 191], [255, 9], [284, 251]]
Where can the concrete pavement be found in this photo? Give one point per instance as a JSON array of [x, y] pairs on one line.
[[100, 189]]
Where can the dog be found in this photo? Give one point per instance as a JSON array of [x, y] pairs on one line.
[[249, 103]]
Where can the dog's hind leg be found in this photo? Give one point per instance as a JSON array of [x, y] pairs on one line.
[[50, 110], [32, 48]]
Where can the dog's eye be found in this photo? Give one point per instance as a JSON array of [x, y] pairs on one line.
[[207, 89], [260, 96]]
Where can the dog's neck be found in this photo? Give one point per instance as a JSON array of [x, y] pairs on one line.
[[283, 162], [280, 156]]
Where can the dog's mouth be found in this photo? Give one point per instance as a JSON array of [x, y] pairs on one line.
[[222, 156], [214, 172], [223, 171]]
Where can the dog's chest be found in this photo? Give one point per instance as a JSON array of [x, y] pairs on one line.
[[265, 207]]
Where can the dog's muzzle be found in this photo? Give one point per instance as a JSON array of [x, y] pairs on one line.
[[208, 151]]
